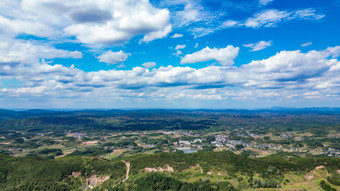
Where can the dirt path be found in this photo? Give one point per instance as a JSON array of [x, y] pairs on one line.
[[127, 170]]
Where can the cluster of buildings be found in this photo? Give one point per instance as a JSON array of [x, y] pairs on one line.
[[186, 133], [77, 135], [16, 149], [195, 144], [332, 152], [149, 145], [222, 140], [286, 135], [294, 149]]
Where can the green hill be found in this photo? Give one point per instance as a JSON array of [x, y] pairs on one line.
[[165, 171]]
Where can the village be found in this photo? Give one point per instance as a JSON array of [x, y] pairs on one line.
[[120, 144]]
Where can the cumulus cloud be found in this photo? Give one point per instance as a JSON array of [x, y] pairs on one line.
[[14, 27], [129, 18], [91, 22], [91, 16], [285, 75], [290, 66], [19, 51], [332, 51], [225, 56], [258, 46], [157, 34], [149, 64], [110, 57]]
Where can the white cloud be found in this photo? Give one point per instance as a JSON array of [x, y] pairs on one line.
[[178, 53], [229, 23], [287, 75], [180, 46], [129, 18], [176, 35], [267, 18], [19, 51], [290, 66], [121, 66], [201, 31], [157, 34], [190, 13], [306, 44], [271, 17], [225, 56], [193, 12], [332, 51], [149, 64], [265, 2], [110, 57], [14, 27], [307, 14], [258, 46], [91, 22], [196, 45]]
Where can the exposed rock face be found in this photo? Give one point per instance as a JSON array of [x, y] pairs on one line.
[[76, 174], [315, 173], [160, 169], [95, 180], [319, 167]]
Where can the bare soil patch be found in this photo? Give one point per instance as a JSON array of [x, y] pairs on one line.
[[160, 169], [95, 180], [76, 174]]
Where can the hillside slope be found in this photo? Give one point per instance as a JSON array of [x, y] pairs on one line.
[[165, 171]]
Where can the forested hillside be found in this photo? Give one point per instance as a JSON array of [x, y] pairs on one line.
[[148, 150], [165, 171], [121, 120]]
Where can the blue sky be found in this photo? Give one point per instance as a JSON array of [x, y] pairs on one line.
[[169, 53]]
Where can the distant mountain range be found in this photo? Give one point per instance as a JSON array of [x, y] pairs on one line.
[[6, 114]]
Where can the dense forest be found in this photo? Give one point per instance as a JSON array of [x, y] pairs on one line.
[[125, 150], [127, 120], [75, 172]]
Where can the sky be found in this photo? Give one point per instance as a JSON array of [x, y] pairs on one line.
[[188, 54]]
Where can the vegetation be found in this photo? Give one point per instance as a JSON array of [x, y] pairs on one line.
[[235, 150], [326, 186], [36, 173]]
